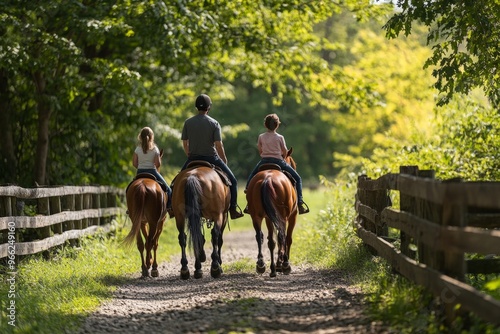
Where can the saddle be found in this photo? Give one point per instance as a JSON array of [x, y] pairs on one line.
[[271, 166], [202, 163], [147, 176]]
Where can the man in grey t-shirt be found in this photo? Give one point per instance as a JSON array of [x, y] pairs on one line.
[[202, 140]]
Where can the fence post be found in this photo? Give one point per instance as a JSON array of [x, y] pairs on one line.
[[430, 212], [87, 202], [55, 207], [68, 204], [382, 200], [454, 213], [407, 204], [364, 198], [96, 204], [6, 211]]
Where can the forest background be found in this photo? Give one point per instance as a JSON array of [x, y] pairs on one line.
[[79, 79]]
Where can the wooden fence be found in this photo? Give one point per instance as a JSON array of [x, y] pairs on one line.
[[442, 231], [37, 219]]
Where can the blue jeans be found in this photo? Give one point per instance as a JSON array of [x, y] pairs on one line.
[[215, 160], [284, 166], [160, 179]]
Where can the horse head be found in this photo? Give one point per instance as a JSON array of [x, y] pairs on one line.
[[289, 160]]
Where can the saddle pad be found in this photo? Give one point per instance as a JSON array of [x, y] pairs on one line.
[[147, 176], [202, 163], [269, 165]]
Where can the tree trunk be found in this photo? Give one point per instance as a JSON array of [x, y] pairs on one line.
[[8, 162], [42, 145]]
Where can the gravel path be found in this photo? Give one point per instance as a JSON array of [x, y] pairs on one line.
[[306, 301]]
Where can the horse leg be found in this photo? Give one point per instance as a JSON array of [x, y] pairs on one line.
[[286, 264], [199, 258], [140, 247], [203, 256], [215, 270], [198, 273], [221, 242], [281, 252], [184, 262], [261, 265], [271, 244], [154, 270], [145, 234]]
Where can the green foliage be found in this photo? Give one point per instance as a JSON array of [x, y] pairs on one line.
[[328, 238], [464, 143], [79, 79], [54, 296], [464, 35]]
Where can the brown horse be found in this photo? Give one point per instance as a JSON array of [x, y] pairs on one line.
[[199, 192], [272, 195], [147, 207]]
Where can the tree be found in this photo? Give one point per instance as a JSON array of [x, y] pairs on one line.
[[466, 43], [81, 75]]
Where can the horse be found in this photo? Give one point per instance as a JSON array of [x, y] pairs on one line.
[[200, 192], [147, 208], [272, 195]]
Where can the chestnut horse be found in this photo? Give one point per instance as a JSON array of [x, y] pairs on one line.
[[272, 195], [199, 194], [147, 208]]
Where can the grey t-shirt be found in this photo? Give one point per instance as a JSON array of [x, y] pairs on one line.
[[201, 131]]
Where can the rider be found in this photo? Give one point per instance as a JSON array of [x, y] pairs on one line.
[[147, 160], [272, 149], [202, 140]]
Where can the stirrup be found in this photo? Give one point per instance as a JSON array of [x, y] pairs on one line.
[[235, 212], [303, 209], [170, 212]]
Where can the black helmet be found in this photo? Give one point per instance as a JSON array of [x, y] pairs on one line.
[[203, 102]]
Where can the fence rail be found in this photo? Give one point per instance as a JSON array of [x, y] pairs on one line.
[[442, 231], [42, 218]]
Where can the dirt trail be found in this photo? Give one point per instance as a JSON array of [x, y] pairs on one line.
[[306, 301]]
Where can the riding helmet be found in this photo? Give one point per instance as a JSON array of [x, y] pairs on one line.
[[203, 102]]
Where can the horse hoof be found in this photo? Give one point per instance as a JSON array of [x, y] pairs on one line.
[[216, 272], [260, 269], [287, 270], [198, 274], [155, 273], [272, 274], [185, 274]]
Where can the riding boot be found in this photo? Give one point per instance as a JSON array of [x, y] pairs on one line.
[[170, 212], [303, 208], [169, 207], [235, 212]]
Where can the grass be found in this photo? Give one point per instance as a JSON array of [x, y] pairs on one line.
[[329, 240], [55, 296]]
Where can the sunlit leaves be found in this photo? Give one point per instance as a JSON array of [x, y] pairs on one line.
[[465, 35]]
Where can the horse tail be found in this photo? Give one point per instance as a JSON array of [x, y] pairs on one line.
[[268, 194], [192, 197], [136, 214]]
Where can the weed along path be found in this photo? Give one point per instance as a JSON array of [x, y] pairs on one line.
[[241, 301]]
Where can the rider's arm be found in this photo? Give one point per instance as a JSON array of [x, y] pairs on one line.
[[157, 161], [220, 151], [284, 149], [185, 145], [135, 160]]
